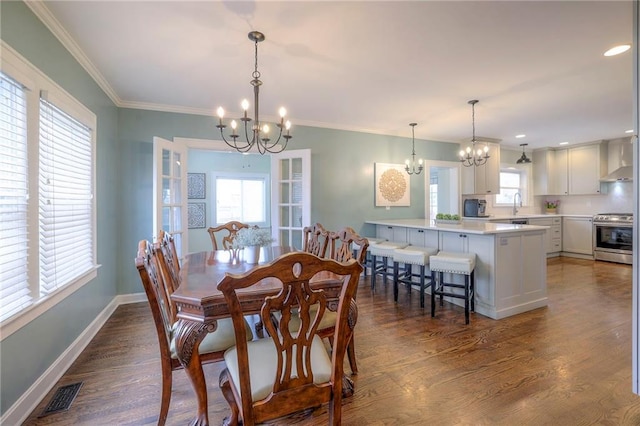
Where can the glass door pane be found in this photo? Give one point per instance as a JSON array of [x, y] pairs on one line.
[[291, 186], [169, 185]]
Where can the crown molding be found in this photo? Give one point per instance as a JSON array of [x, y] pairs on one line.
[[43, 13]]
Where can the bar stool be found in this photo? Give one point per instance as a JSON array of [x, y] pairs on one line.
[[454, 263], [385, 251], [367, 260], [409, 256]]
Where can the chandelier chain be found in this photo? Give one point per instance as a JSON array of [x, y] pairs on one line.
[[256, 73]]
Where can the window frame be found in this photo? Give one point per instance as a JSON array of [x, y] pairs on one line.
[[524, 188], [37, 83], [263, 177]]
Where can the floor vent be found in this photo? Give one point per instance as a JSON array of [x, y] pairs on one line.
[[62, 399]]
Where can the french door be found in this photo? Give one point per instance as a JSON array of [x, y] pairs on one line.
[[291, 196], [170, 191]]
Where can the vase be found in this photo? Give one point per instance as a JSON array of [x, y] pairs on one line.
[[552, 210], [252, 254]]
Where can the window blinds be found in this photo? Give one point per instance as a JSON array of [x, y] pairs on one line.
[[65, 186], [14, 285]]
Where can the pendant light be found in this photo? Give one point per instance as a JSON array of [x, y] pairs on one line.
[[256, 134], [413, 170], [474, 156], [523, 159]]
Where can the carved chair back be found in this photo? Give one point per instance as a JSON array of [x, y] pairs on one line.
[[316, 240], [292, 354], [228, 232], [153, 281], [341, 246]]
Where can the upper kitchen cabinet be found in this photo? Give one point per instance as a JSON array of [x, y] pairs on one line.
[[485, 179], [544, 176], [587, 164], [572, 171]]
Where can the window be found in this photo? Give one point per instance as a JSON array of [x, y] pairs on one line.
[[47, 207], [242, 198], [14, 288], [433, 196], [512, 181]]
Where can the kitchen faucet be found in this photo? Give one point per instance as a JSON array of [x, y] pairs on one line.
[[515, 208]]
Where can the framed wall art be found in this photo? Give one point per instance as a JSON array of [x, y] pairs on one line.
[[196, 217], [392, 185], [196, 186]]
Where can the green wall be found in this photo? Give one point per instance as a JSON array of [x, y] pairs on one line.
[[342, 193], [26, 354]]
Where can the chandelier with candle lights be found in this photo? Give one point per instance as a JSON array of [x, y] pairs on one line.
[[256, 133], [474, 156]]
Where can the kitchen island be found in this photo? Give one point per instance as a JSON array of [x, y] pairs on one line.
[[511, 261]]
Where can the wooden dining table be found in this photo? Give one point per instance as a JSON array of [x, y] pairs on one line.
[[200, 304]]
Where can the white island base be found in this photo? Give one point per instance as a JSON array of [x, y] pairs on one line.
[[511, 260]]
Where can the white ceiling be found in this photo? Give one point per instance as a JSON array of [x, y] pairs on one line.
[[537, 67]]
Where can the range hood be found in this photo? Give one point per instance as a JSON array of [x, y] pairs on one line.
[[620, 160]]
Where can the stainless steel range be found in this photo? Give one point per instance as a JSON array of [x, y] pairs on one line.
[[613, 237]]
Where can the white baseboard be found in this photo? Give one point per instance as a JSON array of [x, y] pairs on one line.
[[25, 405]]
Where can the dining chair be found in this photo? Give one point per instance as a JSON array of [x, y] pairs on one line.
[[154, 278], [288, 371], [341, 249], [170, 256], [228, 232], [316, 240]]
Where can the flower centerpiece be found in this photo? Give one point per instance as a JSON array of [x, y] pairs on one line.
[[251, 239], [447, 218], [552, 206]]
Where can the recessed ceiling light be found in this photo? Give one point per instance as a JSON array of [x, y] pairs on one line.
[[616, 50], [629, 131], [563, 143], [520, 136]]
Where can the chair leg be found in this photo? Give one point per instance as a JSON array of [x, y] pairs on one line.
[[466, 299], [385, 269], [473, 291], [374, 267], [441, 276], [225, 387], [351, 354], [433, 294], [396, 268], [167, 381], [421, 286]]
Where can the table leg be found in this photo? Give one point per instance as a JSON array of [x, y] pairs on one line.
[[188, 335]]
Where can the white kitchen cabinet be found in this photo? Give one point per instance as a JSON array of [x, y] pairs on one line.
[[577, 235], [397, 234], [485, 179], [543, 161], [550, 174], [553, 236], [573, 171], [422, 237], [561, 172], [587, 164]]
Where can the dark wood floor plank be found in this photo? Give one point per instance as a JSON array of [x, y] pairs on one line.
[[566, 364]]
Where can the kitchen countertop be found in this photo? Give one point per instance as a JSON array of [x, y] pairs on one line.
[[481, 227]]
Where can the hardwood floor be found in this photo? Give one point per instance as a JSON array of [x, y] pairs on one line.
[[566, 364]]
